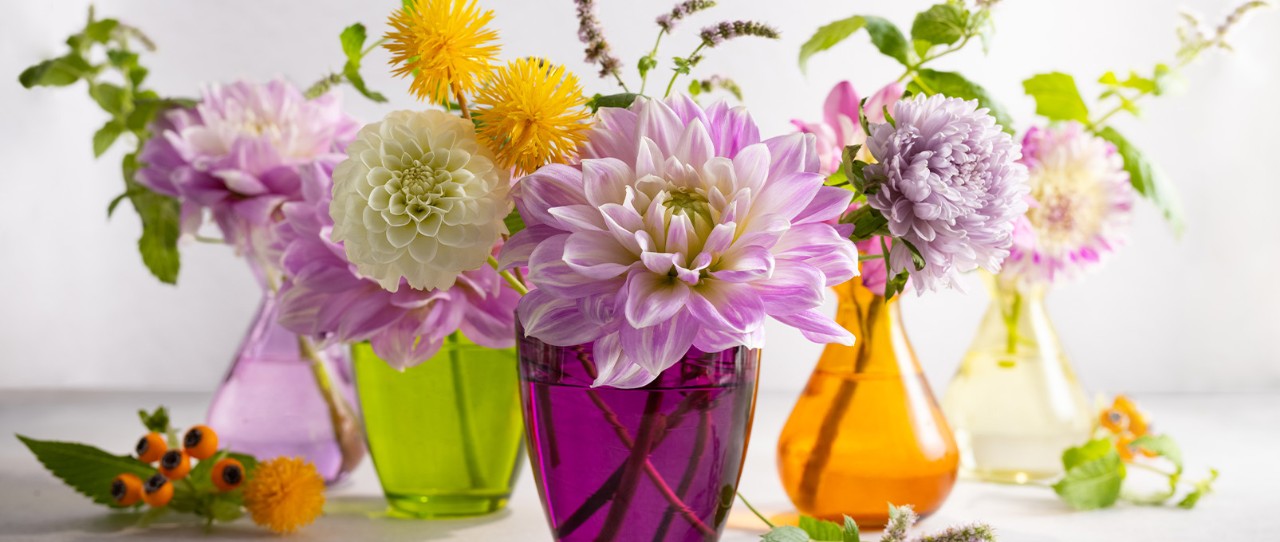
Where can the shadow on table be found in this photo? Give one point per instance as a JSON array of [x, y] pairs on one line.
[[365, 515]]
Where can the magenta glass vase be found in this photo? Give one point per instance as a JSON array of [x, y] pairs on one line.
[[277, 400], [659, 463]]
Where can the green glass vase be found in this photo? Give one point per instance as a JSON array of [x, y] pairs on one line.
[[446, 436]]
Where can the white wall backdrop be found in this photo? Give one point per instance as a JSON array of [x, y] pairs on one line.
[[78, 310]]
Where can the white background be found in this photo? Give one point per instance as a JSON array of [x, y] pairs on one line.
[[78, 309]]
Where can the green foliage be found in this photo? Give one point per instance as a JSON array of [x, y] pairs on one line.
[[1057, 97], [514, 222], [1094, 474], [956, 86], [156, 421], [131, 109], [828, 36], [941, 24], [87, 469], [888, 39], [1202, 488], [1162, 445], [786, 533], [622, 100], [815, 530], [353, 38], [1146, 179]]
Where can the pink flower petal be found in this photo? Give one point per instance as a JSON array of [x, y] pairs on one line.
[[653, 298]]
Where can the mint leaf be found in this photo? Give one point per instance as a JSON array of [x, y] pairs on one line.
[[161, 225], [56, 72], [111, 98], [1089, 451], [1092, 484], [1057, 97], [1146, 179], [851, 533], [352, 38], [157, 421], [888, 39], [622, 100], [352, 73], [86, 469], [820, 530], [786, 533], [828, 36], [106, 135], [941, 24], [1164, 445], [956, 86]]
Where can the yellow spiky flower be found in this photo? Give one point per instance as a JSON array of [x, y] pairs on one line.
[[532, 113], [444, 45], [284, 494]]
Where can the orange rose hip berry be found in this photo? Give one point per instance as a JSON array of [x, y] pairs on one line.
[[158, 491], [126, 490], [200, 442], [151, 447], [175, 464], [227, 474]]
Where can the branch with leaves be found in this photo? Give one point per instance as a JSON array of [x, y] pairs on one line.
[[901, 519]]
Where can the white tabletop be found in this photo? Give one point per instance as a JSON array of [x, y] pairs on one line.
[[1240, 435]]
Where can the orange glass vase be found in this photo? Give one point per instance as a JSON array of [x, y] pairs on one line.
[[867, 430]]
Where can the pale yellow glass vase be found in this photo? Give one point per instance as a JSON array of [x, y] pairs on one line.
[[1015, 403]]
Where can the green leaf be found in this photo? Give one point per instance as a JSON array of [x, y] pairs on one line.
[[867, 223], [822, 531], [895, 285], [111, 98], [1164, 445], [514, 222], [786, 533], [1092, 484], [622, 100], [956, 86], [222, 509], [1089, 451], [828, 36], [115, 202], [1202, 488], [144, 111], [57, 72], [86, 469], [888, 39], [941, 24], [105, 136], [161, 225], [1057, 97], [100, 31], [156, 421], [917, 259], [352, 38], [352, 73], [1146, 179], [851, 533], [645, 64]]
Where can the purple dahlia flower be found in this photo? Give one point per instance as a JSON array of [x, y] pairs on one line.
[[323, 295], [237, 153], [1083, 205], [947, 180], [679, 229]]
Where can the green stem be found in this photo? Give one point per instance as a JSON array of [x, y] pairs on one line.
[[676, 75], [516, 283], [474, 476], [756, 512], [1011, 318], [653, 54]]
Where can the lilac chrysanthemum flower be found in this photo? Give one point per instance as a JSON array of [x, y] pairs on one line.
[[679, 229], [948, 182], [237, 153], [324, 296], [1083, 205]]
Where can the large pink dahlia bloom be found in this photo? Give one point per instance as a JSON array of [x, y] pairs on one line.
[[237, 153], [1083, 205], [324, 296], [679, 229]]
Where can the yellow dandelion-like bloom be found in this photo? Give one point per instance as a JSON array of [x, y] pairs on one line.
[[443, 45], [532, 114], [284, 494]]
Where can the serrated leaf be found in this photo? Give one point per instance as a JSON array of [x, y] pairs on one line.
[[828, 36], [888, 39], [161, 225], [1164, 445], [957, 86], [87, 469], [941, 24], [1092, 484], [786, 533], [1146, 179], [821, 530], [851, 533], [56, 72], [105, 136], [1056, 96]]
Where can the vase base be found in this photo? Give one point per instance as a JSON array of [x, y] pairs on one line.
[[1009, 476], [451, 505]]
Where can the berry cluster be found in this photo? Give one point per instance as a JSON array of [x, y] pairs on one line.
[[199, 443]]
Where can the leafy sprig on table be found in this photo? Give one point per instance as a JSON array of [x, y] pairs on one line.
[[1095, 474], [89, 471], [116, 85], [1059, 99], [901, 519], [936, 32]]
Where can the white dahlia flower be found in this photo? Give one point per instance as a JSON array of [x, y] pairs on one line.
[[418, 197]]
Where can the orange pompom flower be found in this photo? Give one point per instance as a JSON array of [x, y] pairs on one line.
[[531, 114], [284, 494], [443, 45]]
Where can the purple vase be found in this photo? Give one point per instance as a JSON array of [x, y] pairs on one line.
[[276, 402], [653, 464]]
